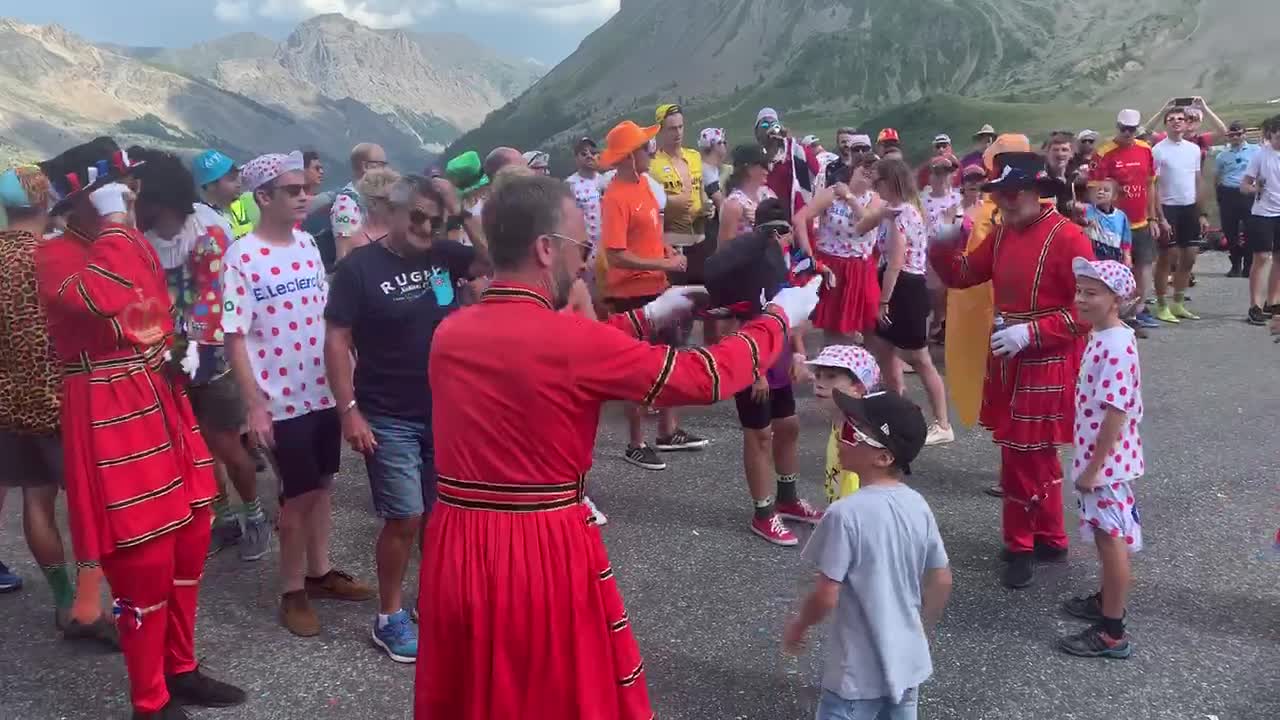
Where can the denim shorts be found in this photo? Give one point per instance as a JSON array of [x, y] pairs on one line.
[[834, 707], [402, 469]]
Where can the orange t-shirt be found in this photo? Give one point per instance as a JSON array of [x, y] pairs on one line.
[[630, 221]]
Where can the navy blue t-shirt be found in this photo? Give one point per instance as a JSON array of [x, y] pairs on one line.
[[392, 305]]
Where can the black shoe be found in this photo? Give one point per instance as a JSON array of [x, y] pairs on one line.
[[196, 688], [101, 632], [1234, 272], [1086, 608], [172, 711], [1257, 316], [680, 440], [1020, 571], [1273, 309], [645, 457], [1094, 642], [994, 491], [1050, 554]]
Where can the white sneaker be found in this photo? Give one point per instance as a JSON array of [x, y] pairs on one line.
[[939, 436], [598, 517]]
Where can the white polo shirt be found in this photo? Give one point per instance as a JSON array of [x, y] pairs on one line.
[[1177, 167]]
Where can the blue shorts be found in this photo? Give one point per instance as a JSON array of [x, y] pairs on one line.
[[834, 707], [402, 469]]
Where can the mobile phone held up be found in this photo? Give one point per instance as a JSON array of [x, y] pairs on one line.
[[1183, 102]]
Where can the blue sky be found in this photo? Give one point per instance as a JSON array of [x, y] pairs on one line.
[[546, 30]]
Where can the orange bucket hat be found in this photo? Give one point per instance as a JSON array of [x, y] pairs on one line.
[[625, 138]]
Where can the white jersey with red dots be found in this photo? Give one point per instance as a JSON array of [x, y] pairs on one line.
[[275, 296]]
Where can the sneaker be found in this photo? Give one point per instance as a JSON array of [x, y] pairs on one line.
[[1020, 571], [800, 511], [196, 688], [939, 435], [337, 585], [1180, 311], [8, 581], [101, 632], [1095, 642], [1086, 608], [680, 440], [255, 543], [1164, 314], [397, 638], [1146, 320], [172, 711], [597, 517], [1273, 309], [1257, 316], [224, 535], [645, 457], [774, 531], [297, 615]]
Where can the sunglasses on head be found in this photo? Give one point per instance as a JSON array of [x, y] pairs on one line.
[[851, 435], [419, 218], [583, 246]]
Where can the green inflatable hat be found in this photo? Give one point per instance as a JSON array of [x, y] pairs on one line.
[[466, 172]]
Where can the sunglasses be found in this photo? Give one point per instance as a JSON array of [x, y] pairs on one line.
[[1128, 128], [292, 191], [585, 247], [851, 435], [419, 218], [1086, 141], [939, 146]]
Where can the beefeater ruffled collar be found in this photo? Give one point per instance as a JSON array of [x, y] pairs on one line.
[[513, 292]]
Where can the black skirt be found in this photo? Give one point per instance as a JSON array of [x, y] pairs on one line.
[[909, 309]]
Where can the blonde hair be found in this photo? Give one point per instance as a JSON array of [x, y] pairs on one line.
[[35, 184], [897, 175], [377, 183]]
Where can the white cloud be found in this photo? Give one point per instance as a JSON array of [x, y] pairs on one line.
[[399, 13]]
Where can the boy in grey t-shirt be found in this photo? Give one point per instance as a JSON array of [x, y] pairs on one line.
[[881, 567]]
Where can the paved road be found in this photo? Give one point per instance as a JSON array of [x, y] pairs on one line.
[[708, 599]]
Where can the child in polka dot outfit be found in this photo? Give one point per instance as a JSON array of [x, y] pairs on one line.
[[851, 370], [1107, 454]]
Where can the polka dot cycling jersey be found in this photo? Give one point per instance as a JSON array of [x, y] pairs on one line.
[[275, 297], [836, 235], [1110, 378]]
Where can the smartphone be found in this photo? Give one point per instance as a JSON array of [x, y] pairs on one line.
[[1183, 102]]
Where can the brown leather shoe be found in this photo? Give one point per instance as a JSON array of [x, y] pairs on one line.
[[337, 585], [297, 615]]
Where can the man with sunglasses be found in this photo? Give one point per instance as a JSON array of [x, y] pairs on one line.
[[274, 291], [386, 300], [941, 149], [1129, 162], [851, 144], [347, 212], [1178, 163], [1230, 163]]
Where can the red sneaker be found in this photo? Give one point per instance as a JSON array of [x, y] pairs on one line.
[[800, 511], [774, 531]]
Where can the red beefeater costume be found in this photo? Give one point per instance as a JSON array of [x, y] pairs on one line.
[[521, 616], [139, 477], [1028, 399]]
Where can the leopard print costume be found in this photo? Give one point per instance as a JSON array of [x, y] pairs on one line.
[[29, 376]]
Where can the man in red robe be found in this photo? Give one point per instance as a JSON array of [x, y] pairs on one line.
[[521, 616], [1028, 395], [139, 477]]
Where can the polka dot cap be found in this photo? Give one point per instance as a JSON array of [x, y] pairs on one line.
[[1109, 272], [265, 168], [852, 358]]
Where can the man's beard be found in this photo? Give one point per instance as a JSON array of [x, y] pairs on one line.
[[561, 284]]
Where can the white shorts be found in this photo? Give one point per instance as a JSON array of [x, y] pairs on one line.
[[1113, 509]]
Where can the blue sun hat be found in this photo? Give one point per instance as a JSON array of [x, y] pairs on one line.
[[211, 166]]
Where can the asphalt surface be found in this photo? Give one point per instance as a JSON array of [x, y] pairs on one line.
[[708, 599]]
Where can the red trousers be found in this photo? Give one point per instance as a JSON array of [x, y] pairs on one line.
[[158, 582], [1032, 484]]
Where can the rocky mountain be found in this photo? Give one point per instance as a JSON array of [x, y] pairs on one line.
[[851, 59], [331, 84]]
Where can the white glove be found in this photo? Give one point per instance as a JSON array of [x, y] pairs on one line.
[[191, 361], [110, 199], [673, 305], [1011, 340], [797, 303]]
